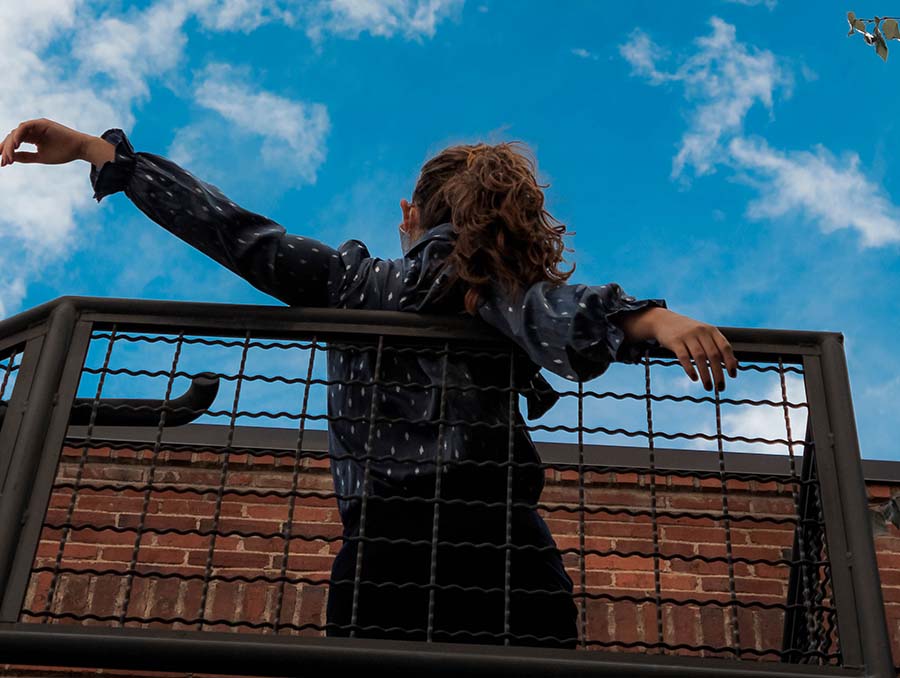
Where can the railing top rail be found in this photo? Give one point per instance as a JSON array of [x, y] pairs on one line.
[[236, 319]]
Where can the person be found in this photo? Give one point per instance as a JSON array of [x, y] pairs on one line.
[[445, 555]]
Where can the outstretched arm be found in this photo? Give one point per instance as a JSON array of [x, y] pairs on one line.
[[297, 270], [294, 269]]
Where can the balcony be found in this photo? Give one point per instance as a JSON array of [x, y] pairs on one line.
[[168, 502]]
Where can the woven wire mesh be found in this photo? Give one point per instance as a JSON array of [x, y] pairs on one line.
[[234, 535]]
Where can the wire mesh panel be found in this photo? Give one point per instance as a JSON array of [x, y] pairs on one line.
[[435, 489]]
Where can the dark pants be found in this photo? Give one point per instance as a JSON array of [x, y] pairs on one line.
[[546, 618]]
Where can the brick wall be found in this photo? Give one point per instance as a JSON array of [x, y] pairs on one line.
[[622, 624]]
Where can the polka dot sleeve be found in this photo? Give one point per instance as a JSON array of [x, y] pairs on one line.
[[295, 269], [568, 329]]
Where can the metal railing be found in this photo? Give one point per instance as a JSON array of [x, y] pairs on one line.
[[56, 443]]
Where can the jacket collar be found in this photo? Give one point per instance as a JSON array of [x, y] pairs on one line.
[[443, 232]]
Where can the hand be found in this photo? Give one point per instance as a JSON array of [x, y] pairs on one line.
[[56, 143], [688, 338]]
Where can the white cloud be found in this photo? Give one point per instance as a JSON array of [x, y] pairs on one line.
[[584, 54], [240, 15], [39, 201], [643, 54], [412, 19], [770, 4], [816, 184], [755, 421], [293, 136], [131, 49], [723, 79], [767, 421]]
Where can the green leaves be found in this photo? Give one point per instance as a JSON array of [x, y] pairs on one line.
[[886, 28]]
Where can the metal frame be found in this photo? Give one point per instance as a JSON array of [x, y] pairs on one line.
[[58, 334]]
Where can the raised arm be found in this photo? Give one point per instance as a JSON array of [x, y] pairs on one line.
[[295, 269], [298, 270]]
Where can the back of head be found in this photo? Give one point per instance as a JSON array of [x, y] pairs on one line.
[[504, 235]]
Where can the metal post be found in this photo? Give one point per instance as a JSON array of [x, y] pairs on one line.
[[15, 495], [860, 541]]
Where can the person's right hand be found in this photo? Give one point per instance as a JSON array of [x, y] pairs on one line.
[[56, 143], [688, 338]]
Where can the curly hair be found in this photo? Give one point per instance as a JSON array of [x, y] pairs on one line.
[[503, 233]]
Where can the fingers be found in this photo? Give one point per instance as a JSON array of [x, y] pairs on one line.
[[684, 357], [8, 146], [715, 359], [701, 360], [23, 132], [3, 159], [727, 353]]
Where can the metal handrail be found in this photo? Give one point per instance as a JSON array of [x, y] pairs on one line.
[[143, 411]]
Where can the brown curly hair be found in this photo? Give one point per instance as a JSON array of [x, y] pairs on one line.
[[491, 196]]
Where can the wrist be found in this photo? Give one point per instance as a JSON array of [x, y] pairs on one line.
[[641, 325], [96, 151]]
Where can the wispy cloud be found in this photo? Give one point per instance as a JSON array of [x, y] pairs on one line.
[[833, 192], [769, 4], [722, 80], [413, 19], [584, 54], [293, 138]]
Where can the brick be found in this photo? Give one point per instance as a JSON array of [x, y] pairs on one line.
[[158, 522], [109, 593], [231, 559], [612, 562], [680, 582], [305, 563], [107, 537], [712, 535], [625, 618], [122, 554], [113, 504], [712, 626], [164, 599], [72, 551], [225, 601], [682, 623], [880, 492], [257, 601], [312, 605], [634, 580], [618, 529], [181, 541], [185, 507], [241, 525]]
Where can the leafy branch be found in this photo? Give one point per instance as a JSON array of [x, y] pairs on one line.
[[885, 28]]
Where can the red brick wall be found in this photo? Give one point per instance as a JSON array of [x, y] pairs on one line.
[[622, 623]]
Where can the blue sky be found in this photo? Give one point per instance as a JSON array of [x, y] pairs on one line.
[[733, 158]]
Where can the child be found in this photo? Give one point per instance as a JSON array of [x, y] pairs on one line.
[[476, 240]]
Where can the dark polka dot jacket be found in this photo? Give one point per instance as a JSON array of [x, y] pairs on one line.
[[565, 329]]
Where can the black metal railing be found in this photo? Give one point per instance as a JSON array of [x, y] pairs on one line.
[[784, 580]]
